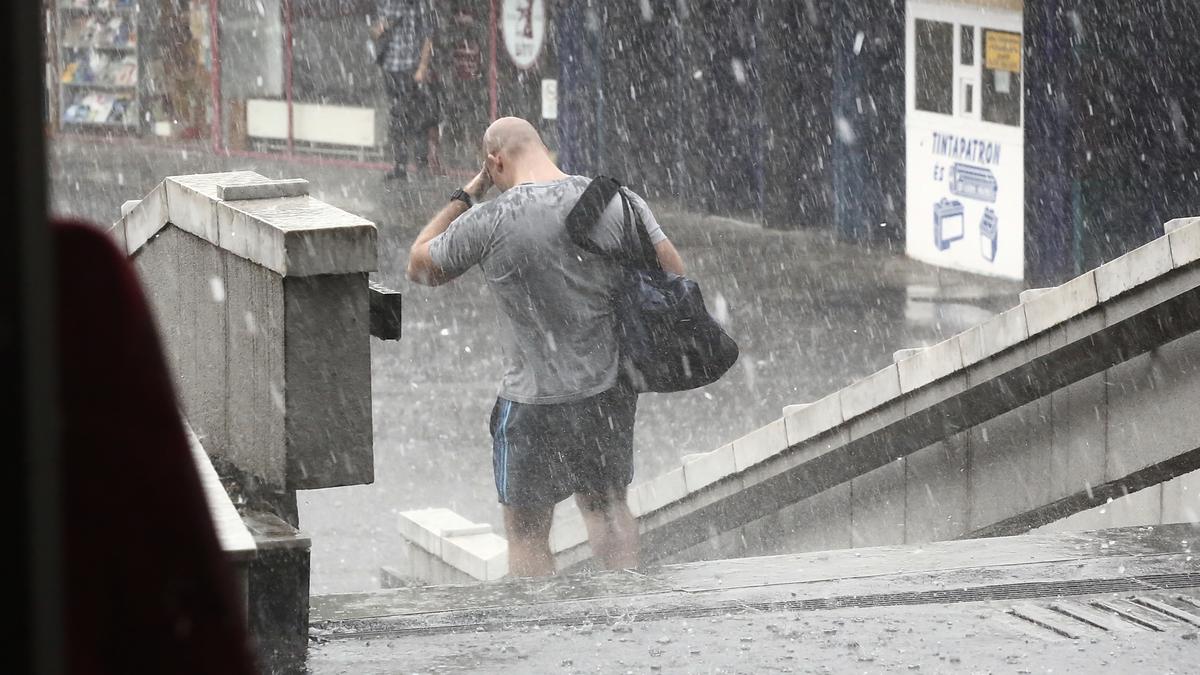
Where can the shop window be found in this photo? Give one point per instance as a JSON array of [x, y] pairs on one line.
[[934, 51], [1001, 87]]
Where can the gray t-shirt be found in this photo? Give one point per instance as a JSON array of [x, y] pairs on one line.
[[561, 340]]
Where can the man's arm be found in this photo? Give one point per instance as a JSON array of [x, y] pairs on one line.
[[421, 268], [422, 72], [668, 257]]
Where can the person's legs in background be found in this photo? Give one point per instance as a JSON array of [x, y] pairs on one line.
[[398, 95], [433, 160], [528, 531], [612, 529]]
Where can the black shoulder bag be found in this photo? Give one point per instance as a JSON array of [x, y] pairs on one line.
[[668, 340]]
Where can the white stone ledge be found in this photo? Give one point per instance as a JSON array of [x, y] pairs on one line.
[[1134, 268], [759, 445], [1185, 241], [661, 490], [1058, 304], [235, 538], [870, 392], [804, 431], [273, 223], [929, 364], [813, 419], [707, 468], [1179, 224], [1002, 331], [469, 547], [271, 189]]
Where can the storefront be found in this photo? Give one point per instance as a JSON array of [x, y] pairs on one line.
[[287, 76], [965, 139], [111, 73]]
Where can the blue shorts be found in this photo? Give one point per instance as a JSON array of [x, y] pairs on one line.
[[544, 453]]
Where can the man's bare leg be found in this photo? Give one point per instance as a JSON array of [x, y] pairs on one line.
[[612, 530], [528, 530]]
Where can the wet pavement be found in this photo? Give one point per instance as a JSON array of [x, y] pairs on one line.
[[810, 314], [1124, 600]]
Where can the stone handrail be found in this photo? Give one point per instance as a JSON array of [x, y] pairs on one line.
[[1056, 336]]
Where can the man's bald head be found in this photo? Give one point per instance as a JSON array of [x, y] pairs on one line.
[[511, 136], [516, 154]]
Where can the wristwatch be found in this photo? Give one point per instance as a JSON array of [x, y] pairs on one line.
[[462, 196]]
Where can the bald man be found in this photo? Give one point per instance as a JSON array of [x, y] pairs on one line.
[[563, 421]]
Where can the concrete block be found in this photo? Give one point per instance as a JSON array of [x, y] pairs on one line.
[[1003, 331], [970, 343], [870, 392], [179, 273], [318, 238], [1152, 407], [709, 467], [877, 506], [813, 419], [1009, 464], [191, 209], [661, 490], [874, 420], [394, 576], [235, 538], [1085, 521], [278, 594], [568, 533], [937, 392], [428, 528], [256, 386], [1181, 500], [128, 205], [819, 523], [1143, 507], [1179, 223], [936, 503], [794, 408], [1079, 415], [386, 311], [760, 444], [269, 189], [1133, 269], [1031, 293], [1185, 241], [146, 219], [483, 556], [1058, 304], [797, 455], [116, 232], [567, 529], [929, 364], [243, 235], [328, 349]]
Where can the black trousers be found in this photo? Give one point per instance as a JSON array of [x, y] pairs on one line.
[[413, 109]]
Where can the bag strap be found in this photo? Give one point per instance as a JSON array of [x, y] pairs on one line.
[[585, 216]]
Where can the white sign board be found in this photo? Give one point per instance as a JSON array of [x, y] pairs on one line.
[[965, 183], [966, 206], [523, 25], [550, 99]]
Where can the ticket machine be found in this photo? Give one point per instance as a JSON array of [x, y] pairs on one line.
[[965, 140]]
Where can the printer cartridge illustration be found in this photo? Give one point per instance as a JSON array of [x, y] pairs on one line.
[[973, 182], [988, 229], [948, 223]]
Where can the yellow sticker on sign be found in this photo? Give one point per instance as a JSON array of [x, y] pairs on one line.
[[1002, 51]]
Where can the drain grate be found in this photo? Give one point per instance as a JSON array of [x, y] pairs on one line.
[[1074, 619]]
